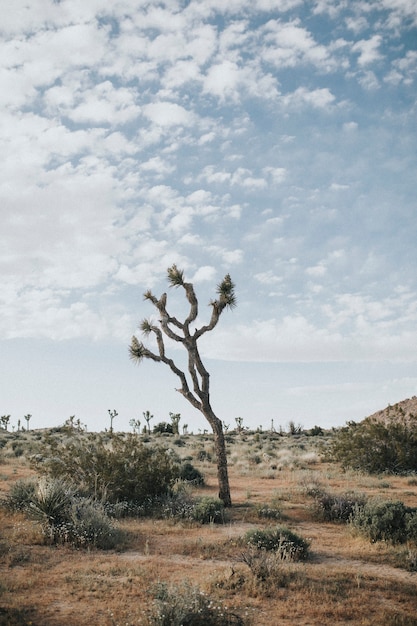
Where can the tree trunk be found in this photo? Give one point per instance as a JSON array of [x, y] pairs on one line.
[[221, 456]]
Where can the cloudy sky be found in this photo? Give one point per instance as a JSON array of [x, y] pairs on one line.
[[274, 140]]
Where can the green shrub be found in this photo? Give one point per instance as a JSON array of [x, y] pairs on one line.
[[63, 516], [411, 525], [50, 502], [87, 525], [185, 605], [381, 521], [163, 427], [122, 469], [267, 511], [191, 474], [203, 455], [329, 507], [286, 544], [209, 510], [20, 495], [377, 447], [176, 505]]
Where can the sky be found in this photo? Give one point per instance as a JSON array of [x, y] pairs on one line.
[[274, 140]]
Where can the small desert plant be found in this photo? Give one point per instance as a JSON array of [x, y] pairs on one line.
[[411, 525], [411, 559], [191, 474], [286, 544], [203, 455], [329, 507], [379, 520], [185, 605], [87, 525], [209, 510], [266, 567], [50, 502], [177, 505], [62, 515], [267, 511], [20, 495]]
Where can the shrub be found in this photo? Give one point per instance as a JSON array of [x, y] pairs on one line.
[[163, 427], [63, 516], [376, 447], [123, 469], [20, 495], [50, 502], [203, 455], [209, 510], [266, 511], [191, 474], [87, 525], [382, 521], [267, 567], [287, 545], [185, 605], [411, 525], [176, 505], [336, 507]]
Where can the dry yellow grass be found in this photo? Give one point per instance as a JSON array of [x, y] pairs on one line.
[[347, 580]]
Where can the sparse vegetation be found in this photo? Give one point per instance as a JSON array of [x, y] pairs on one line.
[[162, 540], [187, 605]]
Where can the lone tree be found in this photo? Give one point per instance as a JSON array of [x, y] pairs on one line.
[[195, 386]]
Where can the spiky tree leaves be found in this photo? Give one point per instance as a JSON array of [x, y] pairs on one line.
[[196, 382]]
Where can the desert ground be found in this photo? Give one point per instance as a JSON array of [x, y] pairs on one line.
[[346, 579]]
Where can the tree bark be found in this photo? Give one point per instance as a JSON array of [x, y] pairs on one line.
[[221, 456]]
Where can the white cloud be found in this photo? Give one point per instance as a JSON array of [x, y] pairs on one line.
[[290, 44], [204, 274], [357, 23], [368, 50], [103, 103], [338, 187], [277, 174], [268, 277], [368, 80], [167, 114], [295, 339], [317, 98], [222, 80], [316, 271]]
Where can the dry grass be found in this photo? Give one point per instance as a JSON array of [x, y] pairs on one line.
[[347, 580]]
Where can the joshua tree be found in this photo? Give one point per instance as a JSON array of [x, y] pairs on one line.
[[175, 420], [195, 386], [27, 418], [239, 423], [135, 425], [5, 419], [148, 417], [112, 414]]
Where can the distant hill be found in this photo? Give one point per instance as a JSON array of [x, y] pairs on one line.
[[403, 411]]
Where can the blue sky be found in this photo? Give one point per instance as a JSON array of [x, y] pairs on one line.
[[274, 140]]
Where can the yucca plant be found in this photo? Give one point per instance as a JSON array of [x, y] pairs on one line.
[[50, 502]]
